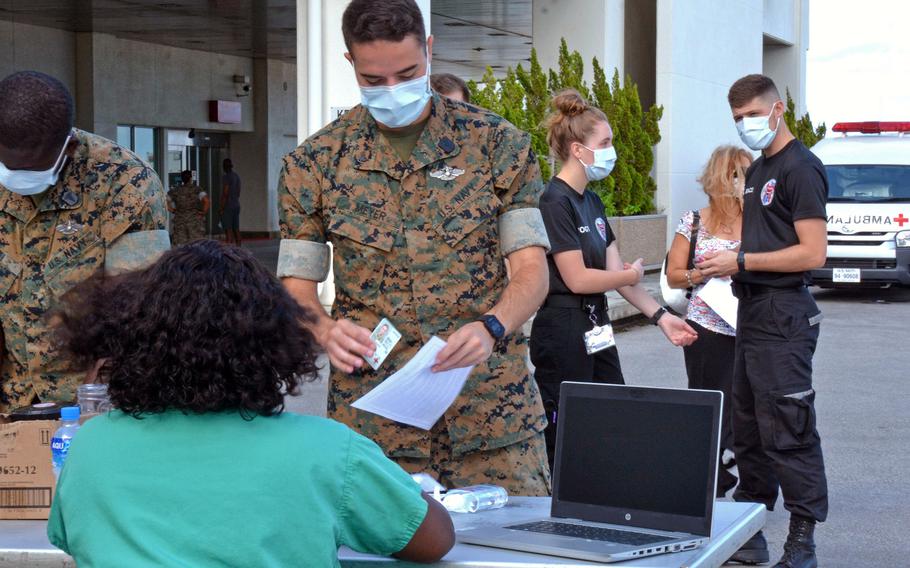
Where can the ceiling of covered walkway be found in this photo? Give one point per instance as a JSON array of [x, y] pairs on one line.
[[470, 34]]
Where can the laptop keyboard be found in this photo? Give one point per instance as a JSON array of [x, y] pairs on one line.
[[590, 533]]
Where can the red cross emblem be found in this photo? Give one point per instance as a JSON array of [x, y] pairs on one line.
[[900, 220]]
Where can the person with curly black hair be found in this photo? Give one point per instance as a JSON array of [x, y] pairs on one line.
[[200, 349]]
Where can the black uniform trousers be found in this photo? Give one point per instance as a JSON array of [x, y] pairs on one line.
[[774, 435], [558, 352]]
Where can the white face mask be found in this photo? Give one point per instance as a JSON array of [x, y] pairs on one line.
[[28, 182], [755, 131], [399, 105], [600, 168]]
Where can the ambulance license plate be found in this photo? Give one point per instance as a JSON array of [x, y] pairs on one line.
[[846, 275]]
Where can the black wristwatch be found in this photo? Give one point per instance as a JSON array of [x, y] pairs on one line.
[[655, 317], [494, 326], [741, 261]]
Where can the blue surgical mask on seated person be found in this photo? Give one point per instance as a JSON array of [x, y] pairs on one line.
[[28, 182], [755, 131], [399, 105], [600, 168]]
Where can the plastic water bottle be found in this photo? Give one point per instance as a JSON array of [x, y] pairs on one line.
[[475, 498], [60, 443]]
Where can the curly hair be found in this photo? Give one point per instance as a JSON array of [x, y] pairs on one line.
[[206, 328]]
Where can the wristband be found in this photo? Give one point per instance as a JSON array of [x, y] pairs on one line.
[[655, 317], [741, 261], [689, 278]]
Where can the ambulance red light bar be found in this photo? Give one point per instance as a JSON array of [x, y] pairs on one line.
[[872, 127]]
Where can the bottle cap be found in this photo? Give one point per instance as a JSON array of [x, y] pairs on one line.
[[69, 413]]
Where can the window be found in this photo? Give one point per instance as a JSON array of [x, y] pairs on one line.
[[143, 140]]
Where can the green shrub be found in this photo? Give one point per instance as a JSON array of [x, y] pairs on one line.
[[802, 127], [523, 98]]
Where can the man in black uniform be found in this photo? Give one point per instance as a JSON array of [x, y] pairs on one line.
[[783, 238]]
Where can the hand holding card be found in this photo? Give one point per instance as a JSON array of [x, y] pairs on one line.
[[385, 337]]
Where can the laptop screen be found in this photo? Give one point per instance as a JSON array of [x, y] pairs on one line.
[[638, 452]]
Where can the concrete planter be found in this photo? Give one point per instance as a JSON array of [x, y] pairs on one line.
[[641, 236]]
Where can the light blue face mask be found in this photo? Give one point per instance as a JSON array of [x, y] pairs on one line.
[[399, 105], [755, 131], [600, 168], [28, 182]]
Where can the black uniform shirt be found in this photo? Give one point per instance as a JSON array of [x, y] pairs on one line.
[[789, 186], [574, 222]]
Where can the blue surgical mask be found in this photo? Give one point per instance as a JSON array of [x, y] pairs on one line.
[[600, 168], [398, 105], [28, 182], [755, 131]]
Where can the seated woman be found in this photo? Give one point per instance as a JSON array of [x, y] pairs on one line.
[[198, 466]]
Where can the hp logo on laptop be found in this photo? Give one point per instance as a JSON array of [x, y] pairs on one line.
[[628, 517]]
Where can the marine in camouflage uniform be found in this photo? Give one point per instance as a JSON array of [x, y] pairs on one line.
[[106, 212], [423, 245], [188, 222]]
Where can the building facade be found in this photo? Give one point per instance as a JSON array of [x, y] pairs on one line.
[[145, 73]]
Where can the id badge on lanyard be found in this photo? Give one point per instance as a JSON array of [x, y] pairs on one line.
[[600, 337]]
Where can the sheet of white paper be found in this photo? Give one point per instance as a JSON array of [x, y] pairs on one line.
[[719, 296], [416, 395]]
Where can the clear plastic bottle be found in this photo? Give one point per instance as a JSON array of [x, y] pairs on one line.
[[93, 398], [475, 498], [60, 443]]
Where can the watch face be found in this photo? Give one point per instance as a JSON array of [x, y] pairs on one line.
[[496, 328]]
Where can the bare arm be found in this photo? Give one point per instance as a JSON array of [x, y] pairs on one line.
[[678, 265], [809, 253], [676, 330], [206, 203], [434, 537], [582, 280], [473, 344], [345, 342], [224, 198]]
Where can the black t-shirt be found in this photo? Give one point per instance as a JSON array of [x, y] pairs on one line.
[[787, 187], [574, 222]]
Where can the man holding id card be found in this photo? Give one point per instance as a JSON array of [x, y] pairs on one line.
[[423, 198]]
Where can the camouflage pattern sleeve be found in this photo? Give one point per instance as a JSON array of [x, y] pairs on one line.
[[516, 176], [303, 252], [136, 228]]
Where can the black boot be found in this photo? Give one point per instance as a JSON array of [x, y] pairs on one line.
[[799, 550], [755, 551]]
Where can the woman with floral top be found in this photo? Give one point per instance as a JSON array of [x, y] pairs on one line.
[[709, 361]]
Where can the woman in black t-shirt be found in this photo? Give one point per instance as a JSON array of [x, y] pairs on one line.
[[584, 263]]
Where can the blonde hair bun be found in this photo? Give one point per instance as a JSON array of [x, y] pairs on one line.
[[570, 103]]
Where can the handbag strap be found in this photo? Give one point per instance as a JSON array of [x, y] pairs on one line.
[[693, 238]]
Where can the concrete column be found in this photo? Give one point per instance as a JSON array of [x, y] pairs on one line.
[[702, 48], [594, 28], [786, 33]]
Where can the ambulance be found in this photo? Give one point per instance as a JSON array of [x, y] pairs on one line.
[[868, 167]]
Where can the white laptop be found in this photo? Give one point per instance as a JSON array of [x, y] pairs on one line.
[[634, 475]]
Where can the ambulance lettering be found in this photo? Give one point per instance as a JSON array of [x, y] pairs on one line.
[[899, 220]]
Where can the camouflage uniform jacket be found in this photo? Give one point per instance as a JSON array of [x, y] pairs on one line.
[[106, 211], [187, 202], [422, 243]]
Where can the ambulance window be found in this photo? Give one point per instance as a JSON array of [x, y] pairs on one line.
[[868, 183]]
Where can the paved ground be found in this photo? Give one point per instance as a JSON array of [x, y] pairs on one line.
[[861, 374], [863, 383]]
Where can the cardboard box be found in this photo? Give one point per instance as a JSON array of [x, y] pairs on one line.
[[26, 475]]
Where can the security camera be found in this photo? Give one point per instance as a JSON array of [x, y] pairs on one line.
[[242, 84]]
